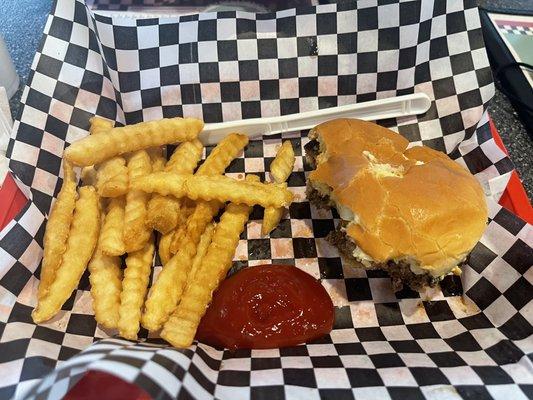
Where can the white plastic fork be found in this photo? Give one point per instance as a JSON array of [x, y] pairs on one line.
[[401, 106]]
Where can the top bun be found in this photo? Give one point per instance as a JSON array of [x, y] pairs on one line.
[[415, 205]]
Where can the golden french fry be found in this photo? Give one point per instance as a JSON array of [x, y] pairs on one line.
[[99, 125], [283, 164], [187, 207], [271, 219], [201, 214], [163, 211], [186, 210], [164, 247], [215, 187], [105, 277], [111, 241], [80, 246], [167, 289], [223, 154], [134, 288], [95, 149], [215, 164], [57, 229], [201, 250], [180, 328], [185, 157], [136, 233], [112, 177], [178, 236], [280, 169]]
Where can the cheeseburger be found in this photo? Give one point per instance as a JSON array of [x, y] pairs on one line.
[[414, 213]]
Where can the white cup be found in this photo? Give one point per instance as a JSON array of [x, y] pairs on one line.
[[8, 76]]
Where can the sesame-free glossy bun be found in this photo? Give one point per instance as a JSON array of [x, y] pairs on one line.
[[411, 204]]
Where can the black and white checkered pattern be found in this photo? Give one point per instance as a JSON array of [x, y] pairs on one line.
[[516, 29], [188, 6], [238, 65]]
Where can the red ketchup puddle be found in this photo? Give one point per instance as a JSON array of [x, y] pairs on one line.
[[265, 307]]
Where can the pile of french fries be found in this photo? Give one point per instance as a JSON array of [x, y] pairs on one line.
[[130, 192]]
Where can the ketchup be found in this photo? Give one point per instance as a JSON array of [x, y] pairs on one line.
[[265, 307]]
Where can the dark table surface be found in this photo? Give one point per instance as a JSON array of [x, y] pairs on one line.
[[509, 126], [22, 23]]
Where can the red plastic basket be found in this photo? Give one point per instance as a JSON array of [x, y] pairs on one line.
[[12, 200], [515, 197]]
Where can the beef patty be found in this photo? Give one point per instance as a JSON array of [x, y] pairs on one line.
[[399, 272]]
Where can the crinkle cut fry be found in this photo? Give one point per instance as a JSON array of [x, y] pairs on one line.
[[134, 288], [282, 166], [105, 277], [111, 176], [167, 289], [164, 247], [111, 241], [95, 149], [215, 187], [80, 246], [97, 126], [185, 158], [280, 169], [136, 233], [164, 211], [177, 237], [223, 154], [57, 229], [180, 328], [215, 164], [186, 211], [201, 250], [271, 218]]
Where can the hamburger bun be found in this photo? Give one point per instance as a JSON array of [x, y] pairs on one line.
[[415, 205]]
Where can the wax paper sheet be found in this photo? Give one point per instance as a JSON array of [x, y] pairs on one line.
[[471, 339]]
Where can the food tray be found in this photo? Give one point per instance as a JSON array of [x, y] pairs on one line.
[[384, 345]]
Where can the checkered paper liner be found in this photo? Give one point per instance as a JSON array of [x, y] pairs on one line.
[[228, 66]]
